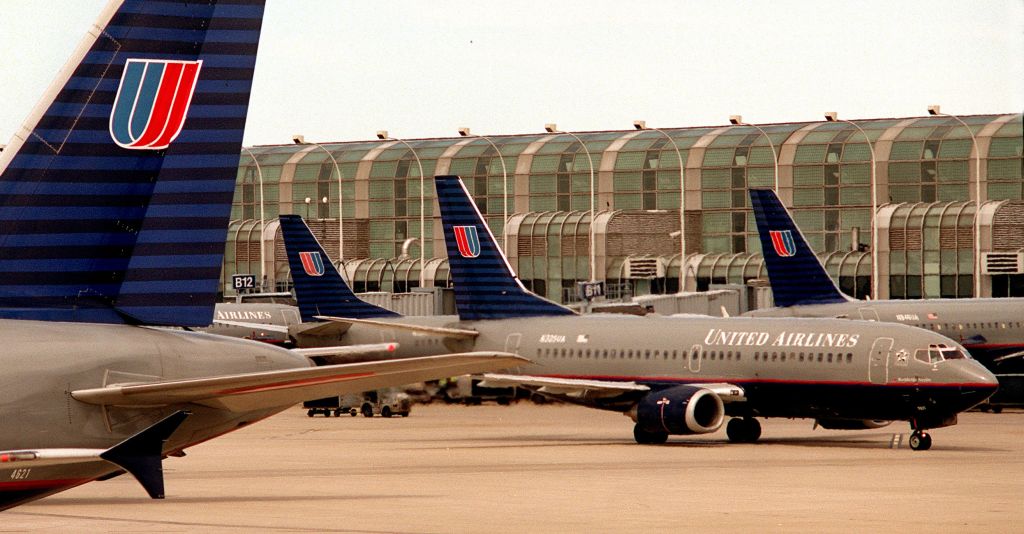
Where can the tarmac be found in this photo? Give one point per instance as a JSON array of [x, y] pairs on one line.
[[557, 468]]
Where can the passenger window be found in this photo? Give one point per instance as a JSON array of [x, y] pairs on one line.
[[782, 356], [830, 357], [849, 357], [820, 357]]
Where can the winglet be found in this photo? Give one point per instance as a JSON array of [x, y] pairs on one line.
[[485, 287], [796, 275], [319, 287], [142, 454]]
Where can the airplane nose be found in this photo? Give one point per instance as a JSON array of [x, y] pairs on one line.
[[979, 382]]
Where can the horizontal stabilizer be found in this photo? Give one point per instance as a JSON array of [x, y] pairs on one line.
[[454, 333], [142, 454], [327, 329], [349, 353], [266, 327], [279, 389]]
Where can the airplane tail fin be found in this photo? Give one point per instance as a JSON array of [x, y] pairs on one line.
[[796, 274], [116, 191], [485, 287], [319, 287]]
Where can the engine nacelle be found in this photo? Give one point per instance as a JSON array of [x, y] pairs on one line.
[[851, 424], [680, 410]]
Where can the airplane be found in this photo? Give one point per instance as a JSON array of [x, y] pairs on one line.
[[260, 321], [684, 375], [321, 292], [114, 201], [990, 329]]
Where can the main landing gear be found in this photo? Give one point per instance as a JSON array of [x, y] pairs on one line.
[[644, 437], [920, 441], [745, 430]]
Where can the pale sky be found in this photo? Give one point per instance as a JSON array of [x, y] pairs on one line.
[[341, 70]]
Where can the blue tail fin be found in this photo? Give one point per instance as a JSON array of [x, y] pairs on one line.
[[485, 287], [115, 193], [319, 287], [796, 275]]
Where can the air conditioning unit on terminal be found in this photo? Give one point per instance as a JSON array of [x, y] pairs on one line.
[[1002, 263], [644, 268]]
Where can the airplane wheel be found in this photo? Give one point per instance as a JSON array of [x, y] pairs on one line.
[[367, 410], [997, 409], [735, 430], [644, 437], [746, 430], [353, 412], [920, 441], [310, 413], [753, 429]]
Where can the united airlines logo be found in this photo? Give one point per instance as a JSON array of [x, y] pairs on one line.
[[151, 102], [312, 263], [783, 242], [468, 241]]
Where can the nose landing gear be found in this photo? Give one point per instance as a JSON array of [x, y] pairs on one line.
[[920, 441]]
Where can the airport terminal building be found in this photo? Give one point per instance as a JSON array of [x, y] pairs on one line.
[[927, 173]]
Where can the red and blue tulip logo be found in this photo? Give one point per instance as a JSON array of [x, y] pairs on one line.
[[782, 241], [152, 102], [468, 241], [312, 263]]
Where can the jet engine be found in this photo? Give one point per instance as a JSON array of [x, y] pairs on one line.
[[851, 424], [680, 410]]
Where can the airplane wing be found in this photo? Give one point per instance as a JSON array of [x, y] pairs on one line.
[[456, 333], [582, 389], [270, 389], [1007, 357]]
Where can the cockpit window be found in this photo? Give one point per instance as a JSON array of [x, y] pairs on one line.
[[938, 353]]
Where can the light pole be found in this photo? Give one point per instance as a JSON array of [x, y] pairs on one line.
[[936, 111], [642, 125], [553, 128], [832, 116], [263, 220], [300, 140], [464, 132], [738, 121], [383, 136]]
